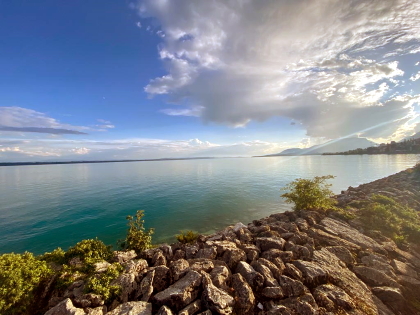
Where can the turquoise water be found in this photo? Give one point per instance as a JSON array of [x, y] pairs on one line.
[[43, 207]]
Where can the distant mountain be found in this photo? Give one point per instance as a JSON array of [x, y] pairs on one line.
[[415, 136], [332, 146]]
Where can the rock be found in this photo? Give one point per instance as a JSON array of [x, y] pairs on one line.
[[123, 256], [208, 312], [159, 259], [145, 289], [75, 290], [267, 243], [393, 298], [167, 251], [202, 264], [404, 268], [254, 278], [191, 309], [272, 292], [293, 272], [89, 300], [382, 308], [244, 235], [323, 238], [216, 299], [273, 268], [343, 254], [312, 273], [273, 253], [208, 253], [239, 226], [178, 269], [164, 310], [191, 251], [244, 296], [233, 256], [374, 277], [132, 308], [128, 284], [220, 276], [269, 280], [302, 224], [221, 246], [101, 310], [380, 263], [407, 281], [346, 280], [135, 266], [350, 234], [178, 254], [291, 287], [65, 307], [101, 266], [161, 278], [181, 293], [333, 298]]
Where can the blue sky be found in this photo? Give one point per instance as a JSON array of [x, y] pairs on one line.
[[151, 79]]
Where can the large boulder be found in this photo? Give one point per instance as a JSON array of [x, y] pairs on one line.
[[65, 307], [244, 296], [333, 298], [312, 273], [267, 243], [254, 278], [374, 277], [216, 299], [181, 293], [132, 308]]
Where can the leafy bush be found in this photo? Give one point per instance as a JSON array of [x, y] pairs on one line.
[[314, 194], [89, 251], [394, 220], [101, 283], [20, 276], [187, 237], [138, 238], [56, 256]]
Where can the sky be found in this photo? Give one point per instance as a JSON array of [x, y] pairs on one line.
[[83, 80]]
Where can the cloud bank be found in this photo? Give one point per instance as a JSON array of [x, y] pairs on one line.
[[336, 67]]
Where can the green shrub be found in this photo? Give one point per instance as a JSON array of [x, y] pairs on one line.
[[89, 251], [187, 237], [310, 194], [137, 238], [394, 220], [56, 256], [20, 276], [101, 283]]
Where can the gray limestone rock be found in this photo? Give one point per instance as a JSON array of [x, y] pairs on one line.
[[132, 308], [65, 307]]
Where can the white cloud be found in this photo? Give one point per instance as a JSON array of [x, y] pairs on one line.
[[138, 24], [62, 149], [24, 120], [330, 65], [415, 77]]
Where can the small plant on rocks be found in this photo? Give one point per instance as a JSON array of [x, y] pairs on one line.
[[138, 238], [310, 194], [187, 237]]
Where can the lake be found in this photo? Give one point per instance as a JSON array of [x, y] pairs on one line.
[[49, 206]]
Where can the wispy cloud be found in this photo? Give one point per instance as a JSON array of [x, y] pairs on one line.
[[23, 120], [333, 66]]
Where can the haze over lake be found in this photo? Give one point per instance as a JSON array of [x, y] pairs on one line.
[[44, 207]]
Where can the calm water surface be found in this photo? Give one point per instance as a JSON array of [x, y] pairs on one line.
[[44, 207]]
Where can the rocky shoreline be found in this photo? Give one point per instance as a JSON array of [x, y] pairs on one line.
[[288, 263]]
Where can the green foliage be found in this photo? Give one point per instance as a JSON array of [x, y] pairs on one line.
[[310, 194], [187, 237], [394, 220], [101, 283], [89, 251], [57, 256], [138, 238], [20, 277]]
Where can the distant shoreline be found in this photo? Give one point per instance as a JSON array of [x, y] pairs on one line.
[[103, 161]]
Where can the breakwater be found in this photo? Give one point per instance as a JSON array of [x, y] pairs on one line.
[[302, 262]]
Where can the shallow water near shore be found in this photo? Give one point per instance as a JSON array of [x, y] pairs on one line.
[[44, 207]]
